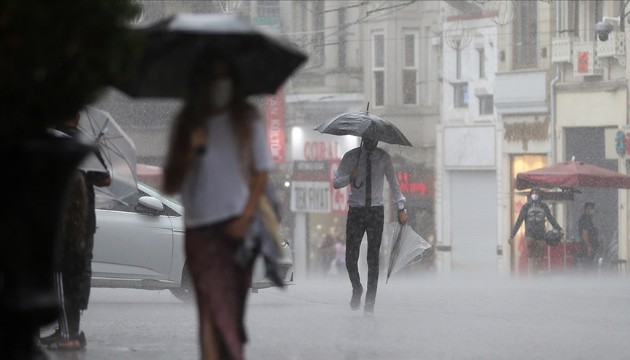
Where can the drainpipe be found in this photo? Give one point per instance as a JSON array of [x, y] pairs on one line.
[[552, 91]]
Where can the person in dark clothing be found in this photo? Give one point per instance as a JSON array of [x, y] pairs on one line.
[[79, 269], [365, 169], [587, 231], [534, 213], [70, 267]]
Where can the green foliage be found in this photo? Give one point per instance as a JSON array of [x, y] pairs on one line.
[[56, 55]]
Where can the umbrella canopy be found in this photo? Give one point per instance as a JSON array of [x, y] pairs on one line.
[[117, 154], [572, 174], [364, 124], [407, 247], [261, 60]]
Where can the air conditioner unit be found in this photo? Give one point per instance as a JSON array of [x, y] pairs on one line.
[[561, 49], [614, 47]]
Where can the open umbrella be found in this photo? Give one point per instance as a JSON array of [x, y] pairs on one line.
[[116, 154], [407, 248], [570, 175], [262, 60], [364, 124]]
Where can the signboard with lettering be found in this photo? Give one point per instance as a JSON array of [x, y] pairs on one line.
[[617, 142], [310, 145], [310, 196], [274, 109]]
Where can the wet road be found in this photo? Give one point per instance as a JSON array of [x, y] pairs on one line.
[[557, 317]]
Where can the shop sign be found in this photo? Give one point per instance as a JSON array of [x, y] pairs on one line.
[[410, 187], [617, 143], [274, 109], [310, 145], [310, 171], [310, 196]]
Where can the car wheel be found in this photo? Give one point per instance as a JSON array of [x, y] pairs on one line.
[[186, 291]]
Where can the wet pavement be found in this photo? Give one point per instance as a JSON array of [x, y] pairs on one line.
[[488, 317]]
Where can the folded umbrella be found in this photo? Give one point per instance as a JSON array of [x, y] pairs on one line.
[[407, 248], [116, 154]]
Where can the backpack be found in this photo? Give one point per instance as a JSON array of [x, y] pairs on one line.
[[535, 221]]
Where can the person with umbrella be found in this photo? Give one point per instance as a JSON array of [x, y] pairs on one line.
[[534, 213], [219, 160], [364, 169]]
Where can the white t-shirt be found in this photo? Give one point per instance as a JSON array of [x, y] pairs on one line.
[[216, 187]]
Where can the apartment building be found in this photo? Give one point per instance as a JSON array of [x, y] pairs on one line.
[[469, 139]]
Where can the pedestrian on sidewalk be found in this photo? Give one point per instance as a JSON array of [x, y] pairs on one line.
[[76, 265], [534, 213], [364, 169], [219, 159]]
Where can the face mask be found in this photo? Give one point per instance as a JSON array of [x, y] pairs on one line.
[[535, 197], [221, 93]]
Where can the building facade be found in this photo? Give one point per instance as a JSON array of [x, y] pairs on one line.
[[469, 140]]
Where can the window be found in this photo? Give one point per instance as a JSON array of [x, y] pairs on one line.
[[482, 63], [268, 8], [573, 18], [410, 70], [378, 41], [458, 63], [486, 105], [525, 34], [460, 95], [317, 55], [341, 54]]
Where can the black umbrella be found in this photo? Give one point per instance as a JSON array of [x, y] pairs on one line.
[[365, 125], [261, 60]]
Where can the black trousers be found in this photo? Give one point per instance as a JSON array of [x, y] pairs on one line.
[[360, 220]]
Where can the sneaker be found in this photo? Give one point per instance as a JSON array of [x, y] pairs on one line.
[[47, 340], [355, 302]]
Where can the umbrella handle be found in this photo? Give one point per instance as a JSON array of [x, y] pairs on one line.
[[355, 184]]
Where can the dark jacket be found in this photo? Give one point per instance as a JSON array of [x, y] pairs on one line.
[[536, 233]]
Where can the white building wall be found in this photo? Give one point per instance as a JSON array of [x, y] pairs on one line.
[[468, 146]]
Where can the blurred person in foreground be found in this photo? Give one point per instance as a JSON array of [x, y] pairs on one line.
[[219, 160], [71, 266], [588, 245], [77, 262], [534, 213], [364, 169]]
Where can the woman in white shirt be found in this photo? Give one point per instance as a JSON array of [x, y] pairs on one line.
[[218, 159]]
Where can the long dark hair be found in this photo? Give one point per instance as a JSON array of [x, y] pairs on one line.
[[194, 114]]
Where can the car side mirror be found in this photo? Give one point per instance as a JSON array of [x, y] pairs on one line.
[[149, 204]]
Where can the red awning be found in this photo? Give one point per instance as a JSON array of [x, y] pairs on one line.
[[570, 175]]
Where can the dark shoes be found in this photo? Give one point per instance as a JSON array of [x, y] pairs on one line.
[[355, 301], [56, 343], [368, 309]]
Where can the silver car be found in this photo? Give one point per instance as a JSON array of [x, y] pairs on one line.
[[140, 244]]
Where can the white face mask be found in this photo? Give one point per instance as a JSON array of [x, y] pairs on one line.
[[221, 93], [535, 197]]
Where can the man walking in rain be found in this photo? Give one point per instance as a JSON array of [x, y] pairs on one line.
[[364, 169], [534, 213]]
